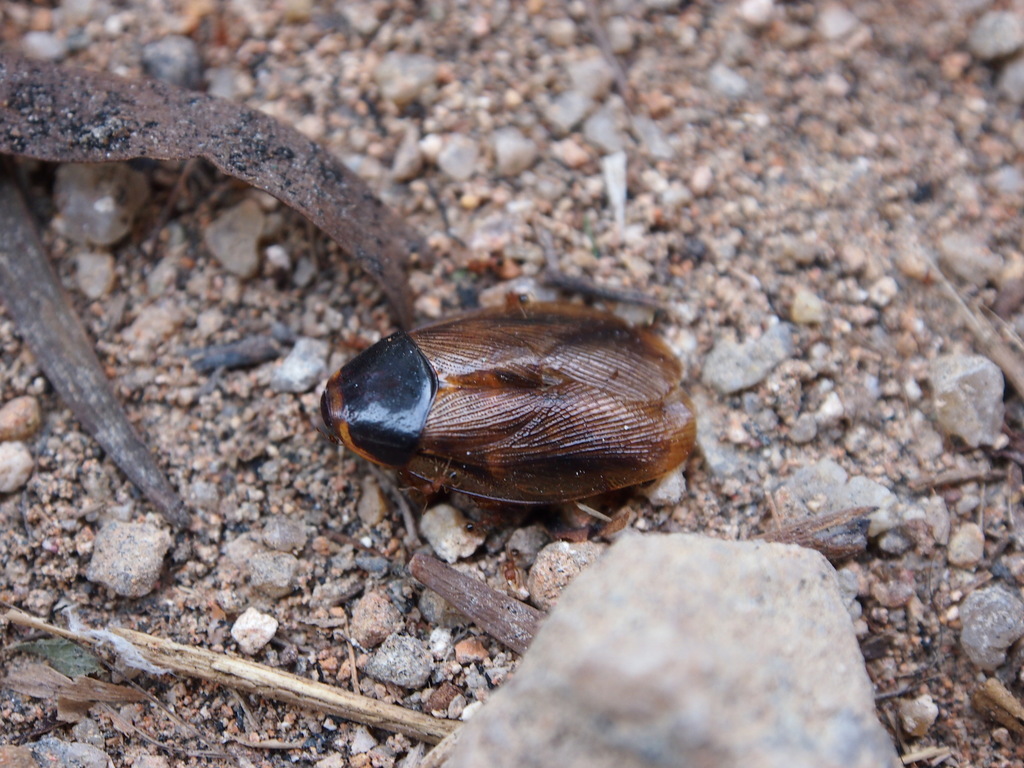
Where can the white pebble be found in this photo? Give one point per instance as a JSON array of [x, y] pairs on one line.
[[233, 236], [918, 715], [459, 157], [513, 151], [966, 546], [98, 203], [807, 308], [253, 630], [451, 535], [94, 274], [304, 366], [757, 13], [16, 466], [883, 291], [405, 77], [996, 34], [835, 22]]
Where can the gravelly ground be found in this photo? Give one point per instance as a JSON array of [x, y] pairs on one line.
[[842, 164]]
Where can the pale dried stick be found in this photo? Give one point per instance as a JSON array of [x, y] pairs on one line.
[[262, 680]]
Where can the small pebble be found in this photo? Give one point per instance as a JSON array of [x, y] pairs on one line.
[[49, 751], [374, 618], [969, 259], [620, 35], [757, 13], [804, 429], [471, 651], [592, 77], [94, 274], [967, 394], [1010, 82], [557, 565], [408, 160], [174, 59], [44, 46], [372, 507], [155, 323], [233, 238], [727, 82], [525, 543], [883, 291], [405, 77], [1006, 180], [303, 368], [362, 741], [666, 490], [127, 557], [966, 546], [285, 534], [402, 660], [807, 308], [561, 32], [601, 129], [731, 367], [567, 110], [20, 418], [273, 573], [992, 619], [450, 534], [459, 157], [98, 202], [513, 151], [253, 630], [700, 180], [996, 34], [16, 466], [918, 715], [835, 22]]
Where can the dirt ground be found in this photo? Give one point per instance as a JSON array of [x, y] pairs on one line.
[[805, 167]]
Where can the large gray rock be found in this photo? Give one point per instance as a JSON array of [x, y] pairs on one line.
[[680, 650]]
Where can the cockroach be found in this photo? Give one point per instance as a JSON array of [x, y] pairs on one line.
[[532, 404]]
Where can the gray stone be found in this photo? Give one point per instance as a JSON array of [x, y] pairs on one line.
[[403, 660], [513, 151], [285, 534], [620, 35], [567, 110], [969, 258], [653, 137], [688, 651], [992, 619], [727, 82], [64, 754], [16, 466], [98, 202], [592, 77], [459, 157], [127, 557], [731, 367], [1011, 80], [174, 59], [44, 46], [273, 573], [996, 34], [825, 487], [601, 129], [967, 394], [303, 368], [233, 238], [404, 77]]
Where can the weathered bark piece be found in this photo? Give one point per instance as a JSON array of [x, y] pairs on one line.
[[504, 618], [72, 115], [49, 326]]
